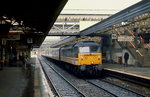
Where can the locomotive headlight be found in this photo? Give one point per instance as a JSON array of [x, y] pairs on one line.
[[81, 58], [99, 58]]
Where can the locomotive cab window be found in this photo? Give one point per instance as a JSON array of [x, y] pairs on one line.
[[91, 49], [75, 52], [94, 49]]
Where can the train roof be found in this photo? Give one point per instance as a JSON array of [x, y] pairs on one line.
[[81, 43]]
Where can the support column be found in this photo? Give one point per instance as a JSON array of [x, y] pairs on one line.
[[137, 63], [111, 49], [1, 55]]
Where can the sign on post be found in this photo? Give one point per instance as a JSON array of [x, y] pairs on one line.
[[15, 36], [125, 38]]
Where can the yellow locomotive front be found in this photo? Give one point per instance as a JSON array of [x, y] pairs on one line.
[[89, 58], [89, 54]]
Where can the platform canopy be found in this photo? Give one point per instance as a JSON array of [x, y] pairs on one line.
[[30, 18], [134, 17]]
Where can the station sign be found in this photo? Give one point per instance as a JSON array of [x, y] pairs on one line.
[[125, 38], [114, 36], [13, 36], [3, 36]]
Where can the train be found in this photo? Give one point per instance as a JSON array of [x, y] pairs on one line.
[[83, 57]]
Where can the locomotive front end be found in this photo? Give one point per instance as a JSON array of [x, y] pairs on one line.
[[89, 58]]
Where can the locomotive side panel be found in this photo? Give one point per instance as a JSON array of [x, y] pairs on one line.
[[55, 54], [67, 55], [73, 61]]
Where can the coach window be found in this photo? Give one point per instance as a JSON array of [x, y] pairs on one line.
[[68, 52], [63, 52], [71, 52], [75, 52]]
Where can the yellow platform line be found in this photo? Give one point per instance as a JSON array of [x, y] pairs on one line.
[[37, 83]]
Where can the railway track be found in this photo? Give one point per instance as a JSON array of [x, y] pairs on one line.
[[115, 89], [87, 89], [60, 84], [132, 87], [84, 88], [93, 87]]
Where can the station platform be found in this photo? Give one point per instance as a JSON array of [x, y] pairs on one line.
[[142, 72], [17, 82], [41, 87], [13, 82]]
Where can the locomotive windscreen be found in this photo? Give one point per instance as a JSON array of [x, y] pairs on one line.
[[84, 49], [91, 49], [88, 47], [94, 49]]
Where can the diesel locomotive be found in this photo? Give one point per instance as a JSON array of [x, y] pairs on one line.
[[82, 57]]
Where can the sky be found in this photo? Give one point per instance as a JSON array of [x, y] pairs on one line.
[[99, 4]]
